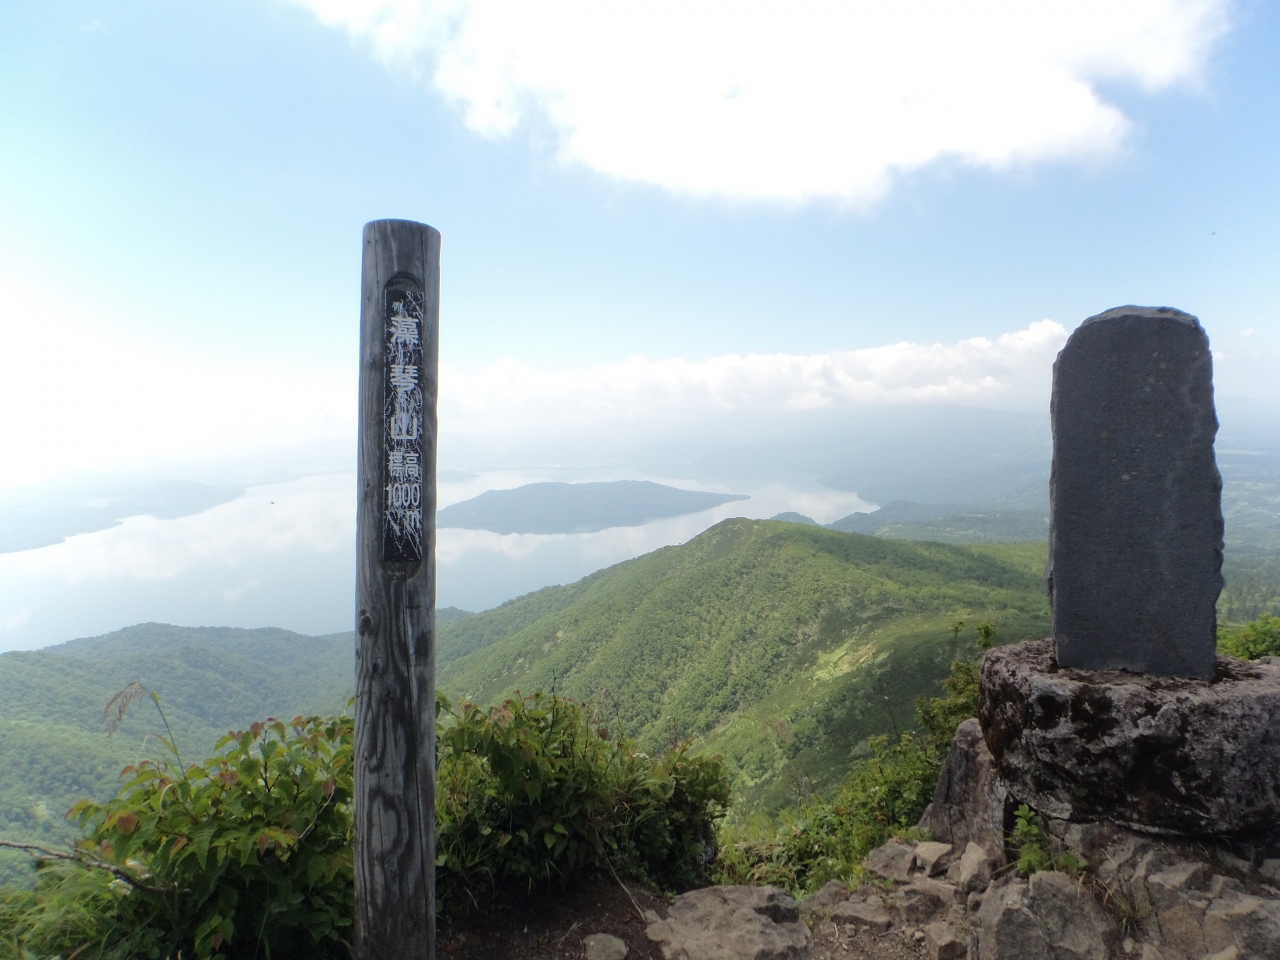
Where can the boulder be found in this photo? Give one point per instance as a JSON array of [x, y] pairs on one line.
[[943, 942], [969, 800], [1050, 917], [891, 861], [924, 900], [1158, 754], [1006, 927], [931, 857], [1248, 923], [1076, 926], [602, 946], [975, 869], [732, 923], [821, 901], [869, 913]]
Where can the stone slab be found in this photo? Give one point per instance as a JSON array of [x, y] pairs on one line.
[[1135, 555], [1158, 754]]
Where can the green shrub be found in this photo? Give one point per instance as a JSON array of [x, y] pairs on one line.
[[1036, 851], [536, 789], [249, 853], [1260, 638], [246, 854]]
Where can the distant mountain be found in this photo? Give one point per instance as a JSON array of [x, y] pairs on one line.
[[577, 507], [948, 523]]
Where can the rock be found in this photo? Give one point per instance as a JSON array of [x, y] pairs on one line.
[[1248, 923], [924, 900], [1135, 548], [943, 942], [1270, 869], [1158, 754], [1076, 926], [931, 857], [1052, 917], [1007, 929], [969, 799], [975, 869], [1178, 914], [821, 901], [869, 913], [892, 861], [1231, 953], [602, 946], [732, 923]]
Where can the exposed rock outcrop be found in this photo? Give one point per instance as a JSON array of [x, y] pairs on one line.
[[969, 800], [1157, 754], [1141, 896]]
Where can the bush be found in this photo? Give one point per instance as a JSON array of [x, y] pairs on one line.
[[249, 854], [536, 790], [1260, 638]]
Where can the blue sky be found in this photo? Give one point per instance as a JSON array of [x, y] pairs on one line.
[[634, 198]]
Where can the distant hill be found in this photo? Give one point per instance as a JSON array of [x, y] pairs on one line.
[[790, 516], [948, 523], [783, 645], [577, 507]]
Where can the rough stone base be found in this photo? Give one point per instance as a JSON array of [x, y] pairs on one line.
[[1141, 896], [1159, 754]]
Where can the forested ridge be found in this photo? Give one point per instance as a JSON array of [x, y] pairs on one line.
[[782, 646]]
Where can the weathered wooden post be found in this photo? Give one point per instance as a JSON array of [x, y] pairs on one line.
[[395, 593]]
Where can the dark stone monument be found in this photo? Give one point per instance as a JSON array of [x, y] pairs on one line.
[[1135, 550], [1127, 715]]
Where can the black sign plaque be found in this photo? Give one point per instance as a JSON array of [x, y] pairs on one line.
[[402, 424]]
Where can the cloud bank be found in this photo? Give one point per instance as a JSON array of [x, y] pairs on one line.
[[1012, 372], [791, 101]]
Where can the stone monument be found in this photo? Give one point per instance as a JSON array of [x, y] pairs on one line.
[[1135, 543], [1126, 714]]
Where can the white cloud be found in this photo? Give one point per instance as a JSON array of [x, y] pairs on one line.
[[1012, 370], [791, 101], [80, 394]]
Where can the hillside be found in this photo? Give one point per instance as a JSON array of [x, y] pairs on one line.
[[55, 750], [780, 644]]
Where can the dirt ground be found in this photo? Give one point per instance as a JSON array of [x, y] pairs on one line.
[[552, 926]]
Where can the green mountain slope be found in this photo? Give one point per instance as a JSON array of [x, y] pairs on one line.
[[781, 644], [54, 749]]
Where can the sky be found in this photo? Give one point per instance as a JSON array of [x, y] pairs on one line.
[[654, 216]]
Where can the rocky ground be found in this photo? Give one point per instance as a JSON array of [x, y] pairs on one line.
[[558, 926]]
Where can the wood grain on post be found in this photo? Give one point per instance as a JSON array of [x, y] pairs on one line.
[[395, 594]]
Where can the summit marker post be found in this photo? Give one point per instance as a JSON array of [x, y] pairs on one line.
[[395, 593]]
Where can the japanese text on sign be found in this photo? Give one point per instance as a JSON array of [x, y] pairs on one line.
[[402, 426]]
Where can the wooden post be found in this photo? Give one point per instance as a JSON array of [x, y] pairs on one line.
[[395, 594]]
